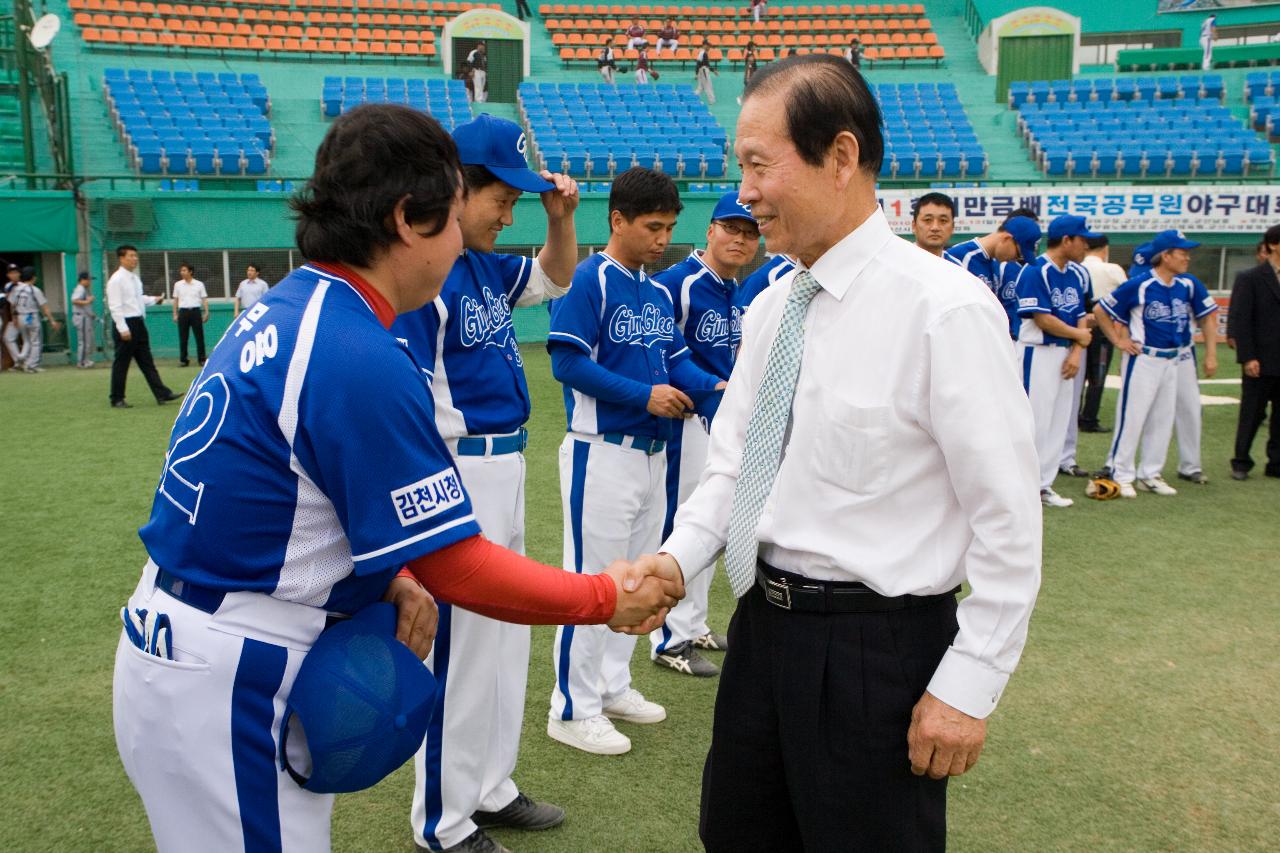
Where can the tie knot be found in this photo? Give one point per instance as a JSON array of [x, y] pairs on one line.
[[803, 288]]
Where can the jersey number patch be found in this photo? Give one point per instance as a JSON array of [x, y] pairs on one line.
[[204, 410]]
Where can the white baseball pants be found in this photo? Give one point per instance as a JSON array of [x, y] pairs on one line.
[[1073, 419], [614, 504], [1050, 397], [472, 741], [685, 461], [1187, 414], [1144, 415]]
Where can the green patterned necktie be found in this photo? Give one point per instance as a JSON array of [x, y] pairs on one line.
[[762, 451]]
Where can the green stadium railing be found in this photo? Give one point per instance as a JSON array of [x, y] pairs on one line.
[[1174, 58]]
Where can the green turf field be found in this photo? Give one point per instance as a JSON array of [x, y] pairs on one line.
[[1143, 717]]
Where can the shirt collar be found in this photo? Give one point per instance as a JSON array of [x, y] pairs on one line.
[[376, 301], [841, 265], [696, 254]]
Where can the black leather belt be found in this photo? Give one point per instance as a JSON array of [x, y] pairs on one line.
[[788, 591]]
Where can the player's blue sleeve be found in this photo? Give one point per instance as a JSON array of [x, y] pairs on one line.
[[421, 329], [688, 377], [575, 317], [515, 272], [576, 369], [1121, 301], [1202, 303], [371, 447], [1033, 293]]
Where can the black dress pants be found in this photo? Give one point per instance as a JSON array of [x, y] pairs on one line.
[[1255, 394], [522, 9], [809, 744], [137, 347], [190, 320], [1097, 364]]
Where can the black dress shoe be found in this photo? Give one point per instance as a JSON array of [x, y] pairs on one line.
[[169, 397], [121, 404], [1094, 428], [521, 813], [1074, 471], [1237, 474], [184, 363]]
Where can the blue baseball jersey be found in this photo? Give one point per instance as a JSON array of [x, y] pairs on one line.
[[305, 462], [1044, 289], [1007, 291], [971, 257], [1159, 315], [467, 345], [706, 312], [769, 273], [625, 324]]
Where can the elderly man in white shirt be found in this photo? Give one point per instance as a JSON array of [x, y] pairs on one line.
[[857, 475], [190, 312], [128, 306]]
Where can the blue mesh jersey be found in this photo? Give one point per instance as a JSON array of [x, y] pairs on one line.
[[755, 284], [706, 312], [972, 257], [305, 462], [467, 344], [1159, 315], [1045, 289], [626, 325], [1007, 291]]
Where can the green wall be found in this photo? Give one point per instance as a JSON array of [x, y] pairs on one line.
[[1121, 15]]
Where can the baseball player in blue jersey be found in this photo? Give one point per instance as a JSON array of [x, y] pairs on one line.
[[1052, 291], [997, 258], [313, 421], [1149, 318], [769, 272], [467, 345], [703, 289], [625, 369]]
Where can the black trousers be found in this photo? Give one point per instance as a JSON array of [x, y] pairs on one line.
[[522, 9], [809, 744], [1255, 394], [137, 347], [190, 320], [1097, 364]]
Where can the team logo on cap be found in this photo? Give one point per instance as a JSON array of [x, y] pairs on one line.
[[745, 207], [521, 145]]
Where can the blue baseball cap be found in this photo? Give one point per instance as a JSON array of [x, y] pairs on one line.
[[1142, 254], [728, 207], [1026, 233], [363, 701], [1070, 226], [499, 145], [1171, 239]]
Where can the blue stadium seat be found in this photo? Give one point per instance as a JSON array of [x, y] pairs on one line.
[[1057, 162], [1060, 90], [203, 159], [1231, 161], [1182, 160], [1168, 88], [1261, 159], [1019, 90]]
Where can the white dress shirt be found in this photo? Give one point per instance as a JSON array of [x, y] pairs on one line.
[[189, 294], [910, 462], [1106, 276], [125, 298]]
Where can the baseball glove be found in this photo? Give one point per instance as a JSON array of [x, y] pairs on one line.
[[1102, 489]]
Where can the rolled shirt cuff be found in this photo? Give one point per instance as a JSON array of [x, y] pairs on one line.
[[692, 552], [967, 685]]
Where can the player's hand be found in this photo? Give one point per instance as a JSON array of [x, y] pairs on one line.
[[720, 386], [1071, 366], [941, 740], [563, 200], [1130, 346], [647, 589], [1084, 337], [667, 401], [126, 335], [1231, 342], [1210, 366], [417, 614], [1253, 368]]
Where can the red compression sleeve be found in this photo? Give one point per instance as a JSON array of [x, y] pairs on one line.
[[499, 583]]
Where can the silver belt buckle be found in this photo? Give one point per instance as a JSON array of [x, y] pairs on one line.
[[777, 593]]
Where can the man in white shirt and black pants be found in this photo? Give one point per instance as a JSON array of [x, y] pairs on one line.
[[128, 305], [190, 312], [478, 59], [857, 475]]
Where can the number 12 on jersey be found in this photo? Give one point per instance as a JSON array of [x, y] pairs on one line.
[[201, 420]]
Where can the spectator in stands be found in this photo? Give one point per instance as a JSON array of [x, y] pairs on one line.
[[1254, 321], [702, 71], [606, 64], [643, 74], [27, 302], [83, 317], [250, 290], [668, 37], [758, 9], [635, 36], [854, 53], [522, 9], [190, 312], [478, 59], [1208, 31], [933, 219], [1105, 277], [748, 66]]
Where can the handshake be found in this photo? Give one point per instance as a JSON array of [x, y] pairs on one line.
[[647, 588]]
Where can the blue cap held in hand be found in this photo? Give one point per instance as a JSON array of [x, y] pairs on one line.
[[499, 145], [362, 700]]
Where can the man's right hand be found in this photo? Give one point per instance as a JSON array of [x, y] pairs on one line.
[[646, 590], [666, 401], [1130, 346], [1084, 337], [126, 335], [1253, 368]]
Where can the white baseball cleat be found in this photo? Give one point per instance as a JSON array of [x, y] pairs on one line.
[[1158, 486], [1049, 497], [634, 708], [594, 734], [1127, 490]]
